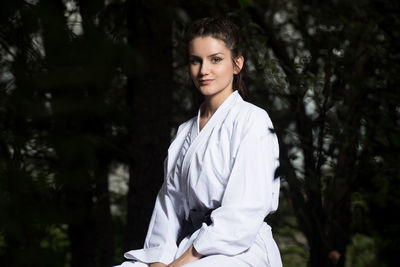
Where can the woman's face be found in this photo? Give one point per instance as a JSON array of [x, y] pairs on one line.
[[211, 66]]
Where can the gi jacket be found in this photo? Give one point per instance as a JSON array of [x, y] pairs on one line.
[[229, 166]]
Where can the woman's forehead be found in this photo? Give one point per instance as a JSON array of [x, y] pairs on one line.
[[207, 46]]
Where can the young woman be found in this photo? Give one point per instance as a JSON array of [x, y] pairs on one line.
[[219, 182]]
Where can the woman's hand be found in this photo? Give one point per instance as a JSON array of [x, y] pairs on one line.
[[157, 264], [188, 256]]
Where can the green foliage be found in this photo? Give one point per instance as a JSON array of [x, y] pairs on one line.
[[292, 243], [362, 252]]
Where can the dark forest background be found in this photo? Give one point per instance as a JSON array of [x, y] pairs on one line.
[[91, 93]]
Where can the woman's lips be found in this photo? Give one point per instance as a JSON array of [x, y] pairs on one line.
[[205, 82]]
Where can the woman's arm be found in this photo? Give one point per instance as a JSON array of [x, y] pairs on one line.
[[188, 256], [157, 264]]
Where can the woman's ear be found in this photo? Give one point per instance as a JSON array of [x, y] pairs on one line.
[[238, 64]]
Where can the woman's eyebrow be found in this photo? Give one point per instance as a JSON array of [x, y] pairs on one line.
[[216, 54], [212, 55]]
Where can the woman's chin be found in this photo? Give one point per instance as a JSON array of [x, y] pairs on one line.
[[206, 91]]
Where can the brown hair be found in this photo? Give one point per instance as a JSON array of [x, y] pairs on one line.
[[226, 31]]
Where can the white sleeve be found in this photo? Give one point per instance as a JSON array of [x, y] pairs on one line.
[[160, 243], [165, 224], [166, 220], [248, 197]]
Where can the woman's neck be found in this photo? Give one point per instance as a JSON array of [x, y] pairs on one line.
[[212, 103]]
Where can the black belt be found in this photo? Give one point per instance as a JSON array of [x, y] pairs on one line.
[[194, 222]]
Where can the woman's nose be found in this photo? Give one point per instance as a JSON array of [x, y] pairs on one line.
[[204, 68]]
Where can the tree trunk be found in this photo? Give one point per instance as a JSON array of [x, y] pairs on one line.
[[73, 167], [149, 99], [102, 214], [95, 37]]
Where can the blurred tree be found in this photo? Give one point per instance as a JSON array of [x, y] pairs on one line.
[[324, 67], [149, 33], [58, 109], [26, 227], [88, 85]]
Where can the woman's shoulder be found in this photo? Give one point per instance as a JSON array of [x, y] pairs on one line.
[[248, 114]]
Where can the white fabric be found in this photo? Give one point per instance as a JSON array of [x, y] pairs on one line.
[[228, 166]]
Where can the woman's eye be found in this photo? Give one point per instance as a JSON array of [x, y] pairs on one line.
[[216, 59]]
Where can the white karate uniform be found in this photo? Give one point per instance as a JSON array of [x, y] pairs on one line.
[[229, 167]]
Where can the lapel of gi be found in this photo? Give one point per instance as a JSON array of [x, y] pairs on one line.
[[176, 145], [215, 119]]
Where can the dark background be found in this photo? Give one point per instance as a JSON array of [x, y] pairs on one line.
[[91, 93]]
